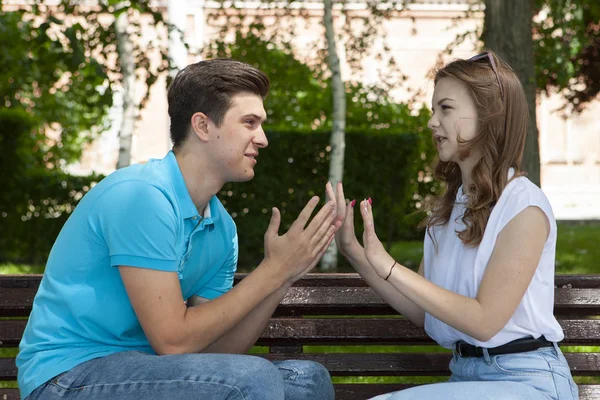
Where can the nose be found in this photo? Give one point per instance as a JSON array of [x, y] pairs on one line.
[[433, 122], [260, 139]]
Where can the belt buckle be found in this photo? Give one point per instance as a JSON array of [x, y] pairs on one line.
[[458, 349]]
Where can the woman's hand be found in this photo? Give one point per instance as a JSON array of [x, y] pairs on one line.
[[345, 237], [379, 259]]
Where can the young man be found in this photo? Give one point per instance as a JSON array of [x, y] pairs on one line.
[[110, 319]]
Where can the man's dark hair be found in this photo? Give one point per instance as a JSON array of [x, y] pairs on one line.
[[207, 87]]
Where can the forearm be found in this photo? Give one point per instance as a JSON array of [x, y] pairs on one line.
[[243, 336], [463, 313], [390, 294], [204, 325]]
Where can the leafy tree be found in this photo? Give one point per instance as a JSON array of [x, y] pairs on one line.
[[57, 80], [566, 34], [565, 55]]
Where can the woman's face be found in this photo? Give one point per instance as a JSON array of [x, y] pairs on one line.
[[454, 116]]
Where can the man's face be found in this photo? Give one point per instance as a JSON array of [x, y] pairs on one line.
[[235, 144]]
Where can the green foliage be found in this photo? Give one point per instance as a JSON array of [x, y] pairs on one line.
[[567, 38], [298, 99], [34, 219], [300, 95], [577, 251], [54, 97], [384, 166], [362, 32], [56, 86], [46, 84], [98, 35]]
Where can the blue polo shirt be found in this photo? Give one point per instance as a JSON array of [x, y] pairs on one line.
[[140, 216]]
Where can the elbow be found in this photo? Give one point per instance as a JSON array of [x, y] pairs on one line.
[[171, 343], [176, 345], [419, 321], [167, 347], [484, 333]]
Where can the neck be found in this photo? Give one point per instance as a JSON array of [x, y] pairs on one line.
[[466, 168], [201, 183]]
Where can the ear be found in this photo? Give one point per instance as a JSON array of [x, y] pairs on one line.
[[199, 125]]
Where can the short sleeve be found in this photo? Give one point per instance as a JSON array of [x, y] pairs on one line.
[[222, 281], [523, 194], [138, 223]]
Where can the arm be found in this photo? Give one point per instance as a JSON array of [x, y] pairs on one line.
[[349, 247], [244, 334], [173, 328], [507, 276]]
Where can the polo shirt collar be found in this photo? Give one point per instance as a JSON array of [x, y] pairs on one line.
[[188, 208]]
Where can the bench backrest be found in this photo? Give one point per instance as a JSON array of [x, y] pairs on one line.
[[341, 310]]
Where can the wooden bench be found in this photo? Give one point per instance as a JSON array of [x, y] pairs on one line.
[[340, 310]]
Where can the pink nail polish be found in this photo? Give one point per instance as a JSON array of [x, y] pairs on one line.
[[352, 203], [370, 201]]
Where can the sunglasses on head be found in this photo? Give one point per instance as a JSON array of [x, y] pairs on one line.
[[488, 57]]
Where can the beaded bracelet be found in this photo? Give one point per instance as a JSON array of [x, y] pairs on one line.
[[391, 269]]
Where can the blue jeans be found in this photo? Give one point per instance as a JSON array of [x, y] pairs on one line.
[[542, 374], [133, 375]]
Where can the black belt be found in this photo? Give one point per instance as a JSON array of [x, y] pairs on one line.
[[465, 349]]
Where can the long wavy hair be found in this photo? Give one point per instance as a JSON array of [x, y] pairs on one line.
[[502, 128]]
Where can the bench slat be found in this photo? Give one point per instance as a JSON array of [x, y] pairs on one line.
[[582, 281], [339, 331], [317, 300]]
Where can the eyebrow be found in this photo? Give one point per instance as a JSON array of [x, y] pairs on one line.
[[444, 99], [261, 119]]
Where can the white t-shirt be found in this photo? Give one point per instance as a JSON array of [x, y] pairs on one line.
[[459, 268]]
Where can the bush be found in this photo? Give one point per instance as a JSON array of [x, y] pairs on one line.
[[32, 220]]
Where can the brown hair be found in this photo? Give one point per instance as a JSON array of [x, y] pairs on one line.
[[502, 128], [207, 87]]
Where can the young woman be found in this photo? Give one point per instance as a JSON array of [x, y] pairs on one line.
[[485, 286]]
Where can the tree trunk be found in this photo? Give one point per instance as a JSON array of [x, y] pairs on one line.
[[338, 141], [508, 32], [125, 51]]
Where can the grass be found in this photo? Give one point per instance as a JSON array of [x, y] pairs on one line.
[[10, 268], [577, 250]]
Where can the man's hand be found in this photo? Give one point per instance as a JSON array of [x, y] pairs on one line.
[[295, 253]]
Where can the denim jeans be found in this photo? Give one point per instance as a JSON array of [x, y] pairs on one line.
[[133, 375], [541, 374]]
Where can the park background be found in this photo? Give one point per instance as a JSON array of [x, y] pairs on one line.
[[83, 85]]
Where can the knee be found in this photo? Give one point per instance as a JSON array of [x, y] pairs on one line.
[[311, 378], [261, 374], [262, 368]]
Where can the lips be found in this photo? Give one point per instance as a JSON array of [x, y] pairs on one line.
[[439, 139]]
